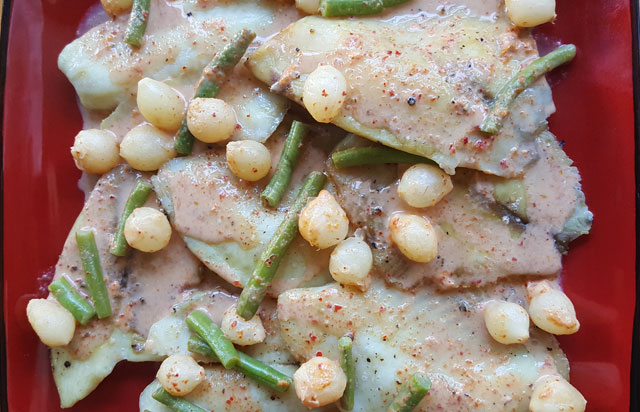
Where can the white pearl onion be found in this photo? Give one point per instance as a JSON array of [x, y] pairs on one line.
[[116, 7], [551, 310], [553, 393], [323, 223], [249, 160], [424, 185], [319, 381], [241, 331], [350, 263], [308, 6], [211, 120], [529, 13], [95, 151], [180, 375], [147, 229], [324, 93], [53, 324], [160, 104], [147, 148], [507, 322], [414, 236]]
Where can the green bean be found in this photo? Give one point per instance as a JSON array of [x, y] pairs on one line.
[[359, 156], [93, 272], [265, 270], [137, 198], [137, 22], [522, 80], [212, 78], [202, 324], [71, 300], [288, 161], [411, 393], [175, 403], [253, 368], [335, 8], [392, 3], [348, 365]]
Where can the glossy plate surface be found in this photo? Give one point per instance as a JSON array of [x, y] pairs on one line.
[[594, 98]]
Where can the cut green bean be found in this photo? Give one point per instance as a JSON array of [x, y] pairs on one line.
[[93, 272], [137, 198], [265, 270], [212, 78], [522, 80], [360, 156], [288, 161], [175, 403], [202, 324], [411, 393], [345, 344], [71, 300], [393, 3], [137, 22], [253, 368], [336, 8]]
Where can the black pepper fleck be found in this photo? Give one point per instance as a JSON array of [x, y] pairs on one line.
[[411, 101]]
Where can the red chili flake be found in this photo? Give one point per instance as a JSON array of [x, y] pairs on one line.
[[312, 337], [398, 53], [229, 400], [465, 140], [318, 353], [324, 93], [213, 115], [514, 259], [382, 309], [389, 52], [234, 323], [336, 308], [503, 163]]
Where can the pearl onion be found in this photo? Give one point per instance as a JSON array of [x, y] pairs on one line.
[[147, 229], [324, 93], [423, 185], [241, 331], [529, 13], [211, 120], [319, 381], [249, 160], [308, 6], [95, 151], [323, 223], [53, 324], [414, 236], [507, 322], [551, 310], [180, 374], [554, 394], [350, 263], [147, 148], [160, 104], [116, 7]]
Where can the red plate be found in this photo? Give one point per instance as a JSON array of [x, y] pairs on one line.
[[595, 117]]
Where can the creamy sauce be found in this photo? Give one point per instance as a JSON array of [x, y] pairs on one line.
[[397, 334], [450, 64]]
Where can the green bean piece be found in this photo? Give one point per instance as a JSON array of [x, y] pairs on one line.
[[137, 22], [71, 300], [202, 324], [93, 272], [411, 393], [336, 8], [137, 198], [253, 368], [265, 270], [359, 156], [393, 3], [212, 78], [175, 403], [348, 365], [522, 80], [288, 161]]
